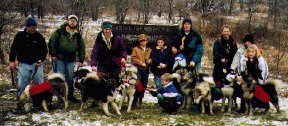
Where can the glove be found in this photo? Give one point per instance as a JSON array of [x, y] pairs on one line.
[[160, 97]]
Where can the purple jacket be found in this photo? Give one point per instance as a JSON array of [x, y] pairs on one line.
[[104, 57]]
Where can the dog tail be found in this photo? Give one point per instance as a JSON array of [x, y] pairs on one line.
[[93, 75], [56, 76], [274, 82]]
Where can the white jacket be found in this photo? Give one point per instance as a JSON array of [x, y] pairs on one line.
[[262, 66], [236, 59]]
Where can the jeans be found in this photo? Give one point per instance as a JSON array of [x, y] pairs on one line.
[[158, 82], [142, 76], [66, 69], [24, 74]]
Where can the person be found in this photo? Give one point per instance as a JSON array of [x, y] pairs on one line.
[[64, 44], [140, 58], [190, 44], [109, 53], [29, 46], [169, 104], [178, 59], [224, 50], [248, 40], [161, 57], [253, 62]]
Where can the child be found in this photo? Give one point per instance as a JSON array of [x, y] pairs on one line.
[[178, 59], [169, 104], [140, 57], [161, 57], [253, 62]]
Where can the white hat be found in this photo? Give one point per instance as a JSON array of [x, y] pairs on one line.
[[72, 16]]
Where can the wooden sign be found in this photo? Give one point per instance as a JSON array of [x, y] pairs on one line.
[[130, 32]]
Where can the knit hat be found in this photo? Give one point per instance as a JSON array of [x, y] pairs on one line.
[[187, 20], [30, 22], [72, 16], [106, 24], [248, 37]]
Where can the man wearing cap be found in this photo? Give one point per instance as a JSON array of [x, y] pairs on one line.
[[224, 49], [30, 48], [109, 53], [190, 44], [64, 44]]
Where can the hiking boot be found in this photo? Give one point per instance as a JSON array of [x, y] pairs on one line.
[[73, 99]]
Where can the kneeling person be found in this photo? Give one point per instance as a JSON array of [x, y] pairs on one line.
[[169, 98]]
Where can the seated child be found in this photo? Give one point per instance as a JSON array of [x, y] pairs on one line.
[[178, 59], [169, 104]]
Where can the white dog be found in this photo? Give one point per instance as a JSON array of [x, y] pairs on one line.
[[128, 86]]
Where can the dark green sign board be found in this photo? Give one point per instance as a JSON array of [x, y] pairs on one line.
[[130, 32]]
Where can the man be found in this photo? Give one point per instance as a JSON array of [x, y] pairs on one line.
[[224, 50], [64, 44], [248, 40], [30, 48], [190, 44], [109, 53]]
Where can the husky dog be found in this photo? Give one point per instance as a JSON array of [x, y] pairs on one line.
[[184, 82], [59, 87], [80, 73], [128, 86], [92, 88], [251, 102], [202, 95]]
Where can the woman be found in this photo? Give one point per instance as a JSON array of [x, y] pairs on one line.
[[252, 62]]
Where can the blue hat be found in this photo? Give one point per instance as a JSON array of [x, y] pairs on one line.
[[31, 22]]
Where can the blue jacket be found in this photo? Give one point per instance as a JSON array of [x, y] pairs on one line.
[[193, 47], [158, 57], [171, 88]]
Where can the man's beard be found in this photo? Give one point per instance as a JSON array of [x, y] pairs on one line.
[[72, 27]]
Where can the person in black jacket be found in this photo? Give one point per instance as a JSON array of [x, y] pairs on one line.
[[30, 48], [224, 50]]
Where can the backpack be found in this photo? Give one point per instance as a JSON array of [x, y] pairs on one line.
[[60, 32]]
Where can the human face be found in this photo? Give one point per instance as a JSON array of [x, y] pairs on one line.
[[143, 43], [226, 32], [107, 32], [174, 50], [160, 43], [165, 82], [251, 53], [187, 26], [247, 43], [72, 22], [31, 29]]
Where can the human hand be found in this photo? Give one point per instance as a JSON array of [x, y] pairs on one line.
[[94, 68], [144, 64], [159, 67], [181, 47], [80, 64], [192, 64], [223, 60], [163, 65], [39, 63], [53, 58], [123, 61], [149, 61], [12, 65]]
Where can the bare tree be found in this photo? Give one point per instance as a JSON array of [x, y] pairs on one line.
[[7, 17], [252, 6], [121, 9], [146, 7]]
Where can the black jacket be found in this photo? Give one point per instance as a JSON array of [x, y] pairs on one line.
[[29, 48]]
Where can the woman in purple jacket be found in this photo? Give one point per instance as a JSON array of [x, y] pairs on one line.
[[108, 53]]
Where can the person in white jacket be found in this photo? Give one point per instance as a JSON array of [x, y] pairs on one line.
[[252, 62], [248, 40]]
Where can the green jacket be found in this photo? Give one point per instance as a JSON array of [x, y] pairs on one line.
[[65, 46]]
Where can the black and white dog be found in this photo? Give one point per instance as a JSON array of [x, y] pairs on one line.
[[80, 73], [92, 88], [128, 86]]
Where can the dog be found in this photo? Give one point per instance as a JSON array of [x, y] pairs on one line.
[[79, 74], [92, 88], [128, 87], [184, 81], [202, 95], [59, 87], [251, 102]]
